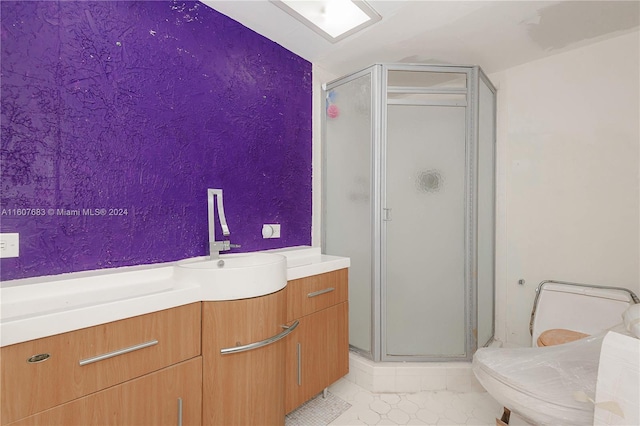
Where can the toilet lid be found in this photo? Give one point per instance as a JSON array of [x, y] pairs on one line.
[[558, 336]]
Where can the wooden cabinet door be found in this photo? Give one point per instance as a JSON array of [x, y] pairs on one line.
[[158, 398], [317, 354], [244, 388]]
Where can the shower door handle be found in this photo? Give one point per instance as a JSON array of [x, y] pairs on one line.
[[386, 216]]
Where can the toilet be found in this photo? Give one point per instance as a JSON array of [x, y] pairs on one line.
[[540, 383]]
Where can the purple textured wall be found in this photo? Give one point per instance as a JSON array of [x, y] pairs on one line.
[[142, 106]]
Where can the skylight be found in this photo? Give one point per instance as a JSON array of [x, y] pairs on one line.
[[332, 19]]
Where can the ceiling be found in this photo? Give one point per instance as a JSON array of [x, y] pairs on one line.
[[493, 34]]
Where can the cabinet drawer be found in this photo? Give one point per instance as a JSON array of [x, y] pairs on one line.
[[167, 397], [87, 360], [317, 292]]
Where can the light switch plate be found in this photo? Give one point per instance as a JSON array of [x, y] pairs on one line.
[[271, 230], [9, 245]]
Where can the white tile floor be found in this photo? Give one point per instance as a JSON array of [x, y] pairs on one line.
[[421, 408]]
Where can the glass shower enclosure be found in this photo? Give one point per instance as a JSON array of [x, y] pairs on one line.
[[409, 195]]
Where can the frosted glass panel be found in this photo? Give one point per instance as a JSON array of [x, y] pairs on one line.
[[427, 79], [347, 189], [425, 238], [486, 213], [433, 98]]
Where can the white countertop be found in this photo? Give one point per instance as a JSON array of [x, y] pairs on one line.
[[32, 308], [306, 261]]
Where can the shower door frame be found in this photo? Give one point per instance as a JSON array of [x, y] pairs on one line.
[[478, 75], [469, 209], [379, 103]]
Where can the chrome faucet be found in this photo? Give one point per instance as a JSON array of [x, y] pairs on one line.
[[215, 247]]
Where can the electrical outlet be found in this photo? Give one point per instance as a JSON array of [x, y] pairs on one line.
[[9, 245]]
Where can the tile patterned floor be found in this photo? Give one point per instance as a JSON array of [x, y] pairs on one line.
[[420, 408], [319, 411]]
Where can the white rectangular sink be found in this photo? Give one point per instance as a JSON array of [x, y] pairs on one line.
[[39, 307], [40, 299]]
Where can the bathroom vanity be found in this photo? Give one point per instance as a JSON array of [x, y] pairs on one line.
[[315, 353], [261, 369], [141, 370], [245, 360]]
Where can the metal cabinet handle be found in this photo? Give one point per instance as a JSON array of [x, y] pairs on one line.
[[179, 411], [118, 352], [256, 345], [299, 365], [319, 292]]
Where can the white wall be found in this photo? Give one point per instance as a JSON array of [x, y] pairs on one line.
[[568, 175]]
